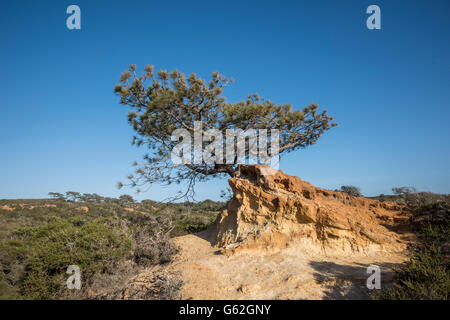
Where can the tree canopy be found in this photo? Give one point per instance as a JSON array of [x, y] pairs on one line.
[[163, 102]]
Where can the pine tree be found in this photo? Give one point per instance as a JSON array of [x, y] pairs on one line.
[[163, 102]]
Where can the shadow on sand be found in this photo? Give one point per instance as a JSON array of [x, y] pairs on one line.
[[348, 282]]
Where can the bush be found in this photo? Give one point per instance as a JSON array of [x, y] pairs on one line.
[[351, 190], [156, 285], [195, 227], [414, 199], [165, 286], [425, 277], [427, 274], [153, 244], [93, 247]]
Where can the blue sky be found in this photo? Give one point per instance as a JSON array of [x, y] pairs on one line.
[[61, 127]]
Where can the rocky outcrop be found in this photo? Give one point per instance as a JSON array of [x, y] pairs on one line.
[[271, 209]]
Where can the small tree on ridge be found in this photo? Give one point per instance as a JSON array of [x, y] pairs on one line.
[[163, 102]]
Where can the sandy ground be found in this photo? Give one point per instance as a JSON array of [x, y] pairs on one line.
[[289, 273]]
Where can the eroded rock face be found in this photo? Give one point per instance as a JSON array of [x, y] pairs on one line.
[[271, 209]]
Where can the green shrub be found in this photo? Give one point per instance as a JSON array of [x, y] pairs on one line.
[[425, 277], [196, 227], [94, 247]]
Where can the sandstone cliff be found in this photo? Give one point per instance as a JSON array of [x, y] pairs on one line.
[[271, 209]]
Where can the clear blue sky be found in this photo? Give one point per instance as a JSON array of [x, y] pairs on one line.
[[61, 127]]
